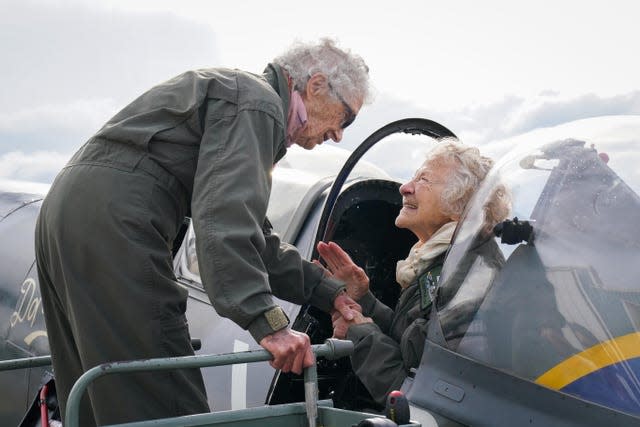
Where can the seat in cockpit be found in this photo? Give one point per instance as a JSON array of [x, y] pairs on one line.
[[363, 224]]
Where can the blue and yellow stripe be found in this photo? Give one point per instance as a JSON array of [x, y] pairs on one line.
[[606, 373]]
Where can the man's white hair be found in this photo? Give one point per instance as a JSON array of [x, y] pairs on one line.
[[346, 72]]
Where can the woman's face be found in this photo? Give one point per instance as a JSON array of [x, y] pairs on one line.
[[422, 202]]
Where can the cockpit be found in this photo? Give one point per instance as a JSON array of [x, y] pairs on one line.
[[552, 296], [538, 303]]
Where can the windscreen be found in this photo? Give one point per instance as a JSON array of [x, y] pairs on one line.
[[560, 305]]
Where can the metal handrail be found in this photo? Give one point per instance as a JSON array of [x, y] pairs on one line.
[[39, 361], [27, 362], [331, 349]]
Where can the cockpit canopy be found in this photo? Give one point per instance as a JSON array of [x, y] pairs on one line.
[[561, 306]]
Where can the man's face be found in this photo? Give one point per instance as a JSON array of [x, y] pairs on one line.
[[326, 116], [421, 200]]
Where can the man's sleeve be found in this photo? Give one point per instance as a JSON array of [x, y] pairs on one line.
[[381, 363], [295, 279], [231, 191]]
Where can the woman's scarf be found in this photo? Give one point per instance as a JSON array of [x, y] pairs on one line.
[[421, 256]]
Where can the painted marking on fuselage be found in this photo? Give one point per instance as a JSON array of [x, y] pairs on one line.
[[29, 304], [591, 360], [239, 378], [33, 335]]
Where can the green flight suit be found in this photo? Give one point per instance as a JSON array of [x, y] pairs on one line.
[[385, 350], [203, 143]]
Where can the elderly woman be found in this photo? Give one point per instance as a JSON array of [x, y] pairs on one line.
[[389, 342]]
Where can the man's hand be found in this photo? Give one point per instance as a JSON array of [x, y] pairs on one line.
[[291, 350], [343, 268], [346, 307], [341, 325]]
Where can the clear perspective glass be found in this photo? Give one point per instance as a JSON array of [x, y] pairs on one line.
[[562, 310]]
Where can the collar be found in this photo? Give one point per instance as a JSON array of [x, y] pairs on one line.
[[421, 257], [297, 116], [278, 79]]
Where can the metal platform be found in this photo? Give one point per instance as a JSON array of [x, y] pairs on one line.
[[309, 413]]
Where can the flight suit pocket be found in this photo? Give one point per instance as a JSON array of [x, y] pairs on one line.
[[176, 340]]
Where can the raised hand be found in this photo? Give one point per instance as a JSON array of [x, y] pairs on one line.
[[342, 267], [346, 307]]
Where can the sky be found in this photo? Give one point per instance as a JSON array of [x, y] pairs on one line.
[[487, 69]]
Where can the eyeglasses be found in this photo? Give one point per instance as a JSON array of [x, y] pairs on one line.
[[349, 115]]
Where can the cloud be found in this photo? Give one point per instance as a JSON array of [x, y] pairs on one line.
[[609, 133], [70, 66], [74, 65], [54, 127], [550, 109], [482, 123], [14, 186], [61, 51], [39, 166], [61, 129]]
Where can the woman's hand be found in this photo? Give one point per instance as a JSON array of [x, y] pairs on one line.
[[341, 266], [341, 325]]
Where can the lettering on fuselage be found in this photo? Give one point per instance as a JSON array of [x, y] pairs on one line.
[[28, 307], [29, 304]]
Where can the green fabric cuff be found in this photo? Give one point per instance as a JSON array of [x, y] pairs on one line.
[[267, 323], [325, 293], [367, 302], [356, 332]]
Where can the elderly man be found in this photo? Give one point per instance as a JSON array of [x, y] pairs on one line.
[[201, 144]]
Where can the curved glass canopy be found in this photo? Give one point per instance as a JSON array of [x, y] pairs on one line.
[[559, 304]]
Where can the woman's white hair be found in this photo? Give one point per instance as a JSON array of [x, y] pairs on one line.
[[468, 171], [346, 72]]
